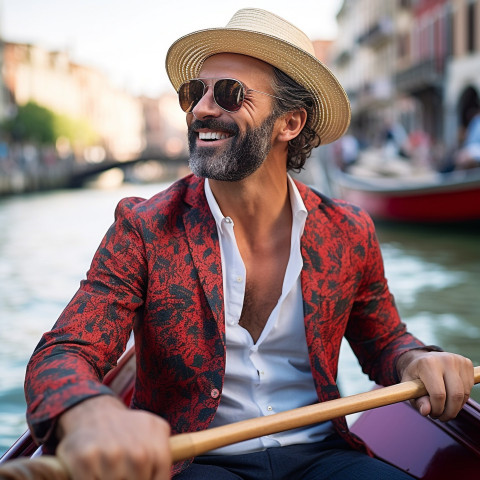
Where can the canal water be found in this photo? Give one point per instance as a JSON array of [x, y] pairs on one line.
[[47, 241]]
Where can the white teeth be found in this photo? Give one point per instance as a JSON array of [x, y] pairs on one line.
[[212, 135]]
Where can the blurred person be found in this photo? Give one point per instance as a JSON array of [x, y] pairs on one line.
[[347, 149], [395, 140], [238, 283], [469, 155], [420, 150]]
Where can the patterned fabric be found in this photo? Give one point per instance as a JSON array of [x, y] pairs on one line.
[[158, 272]]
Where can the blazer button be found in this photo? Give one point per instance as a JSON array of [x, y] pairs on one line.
[[214, 393]]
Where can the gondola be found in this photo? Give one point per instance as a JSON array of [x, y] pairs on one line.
[[427, 449], [396, 193]]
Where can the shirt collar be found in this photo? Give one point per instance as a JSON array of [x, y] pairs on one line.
[[299, 210], [214, 208]]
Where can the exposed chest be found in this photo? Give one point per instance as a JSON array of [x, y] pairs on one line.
[[265, 276]]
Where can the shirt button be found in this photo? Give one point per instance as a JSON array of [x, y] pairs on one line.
[[228, 220], [239, 279], [214, 393], [269, 408]]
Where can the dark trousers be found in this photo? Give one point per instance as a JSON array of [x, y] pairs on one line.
[[331, 459]]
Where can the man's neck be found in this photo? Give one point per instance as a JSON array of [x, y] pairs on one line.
[[256, 204]]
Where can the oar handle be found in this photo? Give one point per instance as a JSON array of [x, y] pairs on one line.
[[46, 467], [188, 445]]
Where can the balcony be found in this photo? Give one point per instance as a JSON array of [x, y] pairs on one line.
[[371, 95], [343, 57], [378, 34], [427, 74]]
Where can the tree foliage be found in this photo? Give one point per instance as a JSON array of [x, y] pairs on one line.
[[38, 124], [32, 122]]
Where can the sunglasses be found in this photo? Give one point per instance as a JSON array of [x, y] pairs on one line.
[[228, 93]]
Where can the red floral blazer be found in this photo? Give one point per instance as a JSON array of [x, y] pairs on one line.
[[158, 272]]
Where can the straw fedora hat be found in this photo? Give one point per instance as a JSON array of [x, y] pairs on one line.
[[268, 37]]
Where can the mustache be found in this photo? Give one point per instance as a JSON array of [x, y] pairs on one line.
[[214, 124]]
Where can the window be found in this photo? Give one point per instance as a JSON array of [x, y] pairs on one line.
[[403, 45], [471, 30], [449, 31]]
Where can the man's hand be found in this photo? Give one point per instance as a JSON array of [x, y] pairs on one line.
[[102, 439], [447, 377]]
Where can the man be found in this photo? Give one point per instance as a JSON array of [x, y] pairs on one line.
[[238, 283]]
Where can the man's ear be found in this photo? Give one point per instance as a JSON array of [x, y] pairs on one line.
[[292, 124]]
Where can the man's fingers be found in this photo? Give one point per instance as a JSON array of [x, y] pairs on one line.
[[468, 377], [422, 404], [458, 387], [453, 398], [137, 463], [115, 443], [162, 472], [448, 379]]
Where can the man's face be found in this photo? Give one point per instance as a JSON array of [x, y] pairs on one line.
[[239, 158], [231, 146]]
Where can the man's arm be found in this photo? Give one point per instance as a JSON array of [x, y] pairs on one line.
[[375, 331], [69, 363], [447, 377], [101, 438], [98, 436], [386, 348]]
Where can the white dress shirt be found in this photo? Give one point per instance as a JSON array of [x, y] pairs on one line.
[[273, 374]]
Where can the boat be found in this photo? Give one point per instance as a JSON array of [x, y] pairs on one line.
[[427, 449], [392, 191]]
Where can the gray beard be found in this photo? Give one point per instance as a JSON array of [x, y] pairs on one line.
[[243, 156]]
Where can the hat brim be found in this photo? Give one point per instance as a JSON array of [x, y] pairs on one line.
[[332, 113]]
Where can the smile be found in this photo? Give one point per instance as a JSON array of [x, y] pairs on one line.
[[211, 135]]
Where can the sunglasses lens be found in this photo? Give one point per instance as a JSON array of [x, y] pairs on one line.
[[229, 94], [189, 94]]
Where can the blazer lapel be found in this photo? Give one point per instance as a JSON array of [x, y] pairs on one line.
[[202, 237], [315, 293], [312, 282]]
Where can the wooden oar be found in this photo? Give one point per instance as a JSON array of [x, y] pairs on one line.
[[189, 445]]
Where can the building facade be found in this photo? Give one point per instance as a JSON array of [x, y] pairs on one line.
[[363, 58], [165, 126], [3, 96], [415, 62], [462, 90], [52, 80]]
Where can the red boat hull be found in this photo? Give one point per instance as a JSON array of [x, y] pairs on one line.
[[448, 198]]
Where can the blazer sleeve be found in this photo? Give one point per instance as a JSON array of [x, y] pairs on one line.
[[70, 361], [375, 332]]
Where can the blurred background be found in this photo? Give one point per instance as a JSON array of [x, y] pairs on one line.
[[87, 116]]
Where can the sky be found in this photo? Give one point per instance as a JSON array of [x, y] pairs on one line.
[[128, 39]]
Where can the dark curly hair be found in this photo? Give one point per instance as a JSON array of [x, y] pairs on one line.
[[293, 96]]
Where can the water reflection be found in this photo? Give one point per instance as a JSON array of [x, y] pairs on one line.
[[435, 275]]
